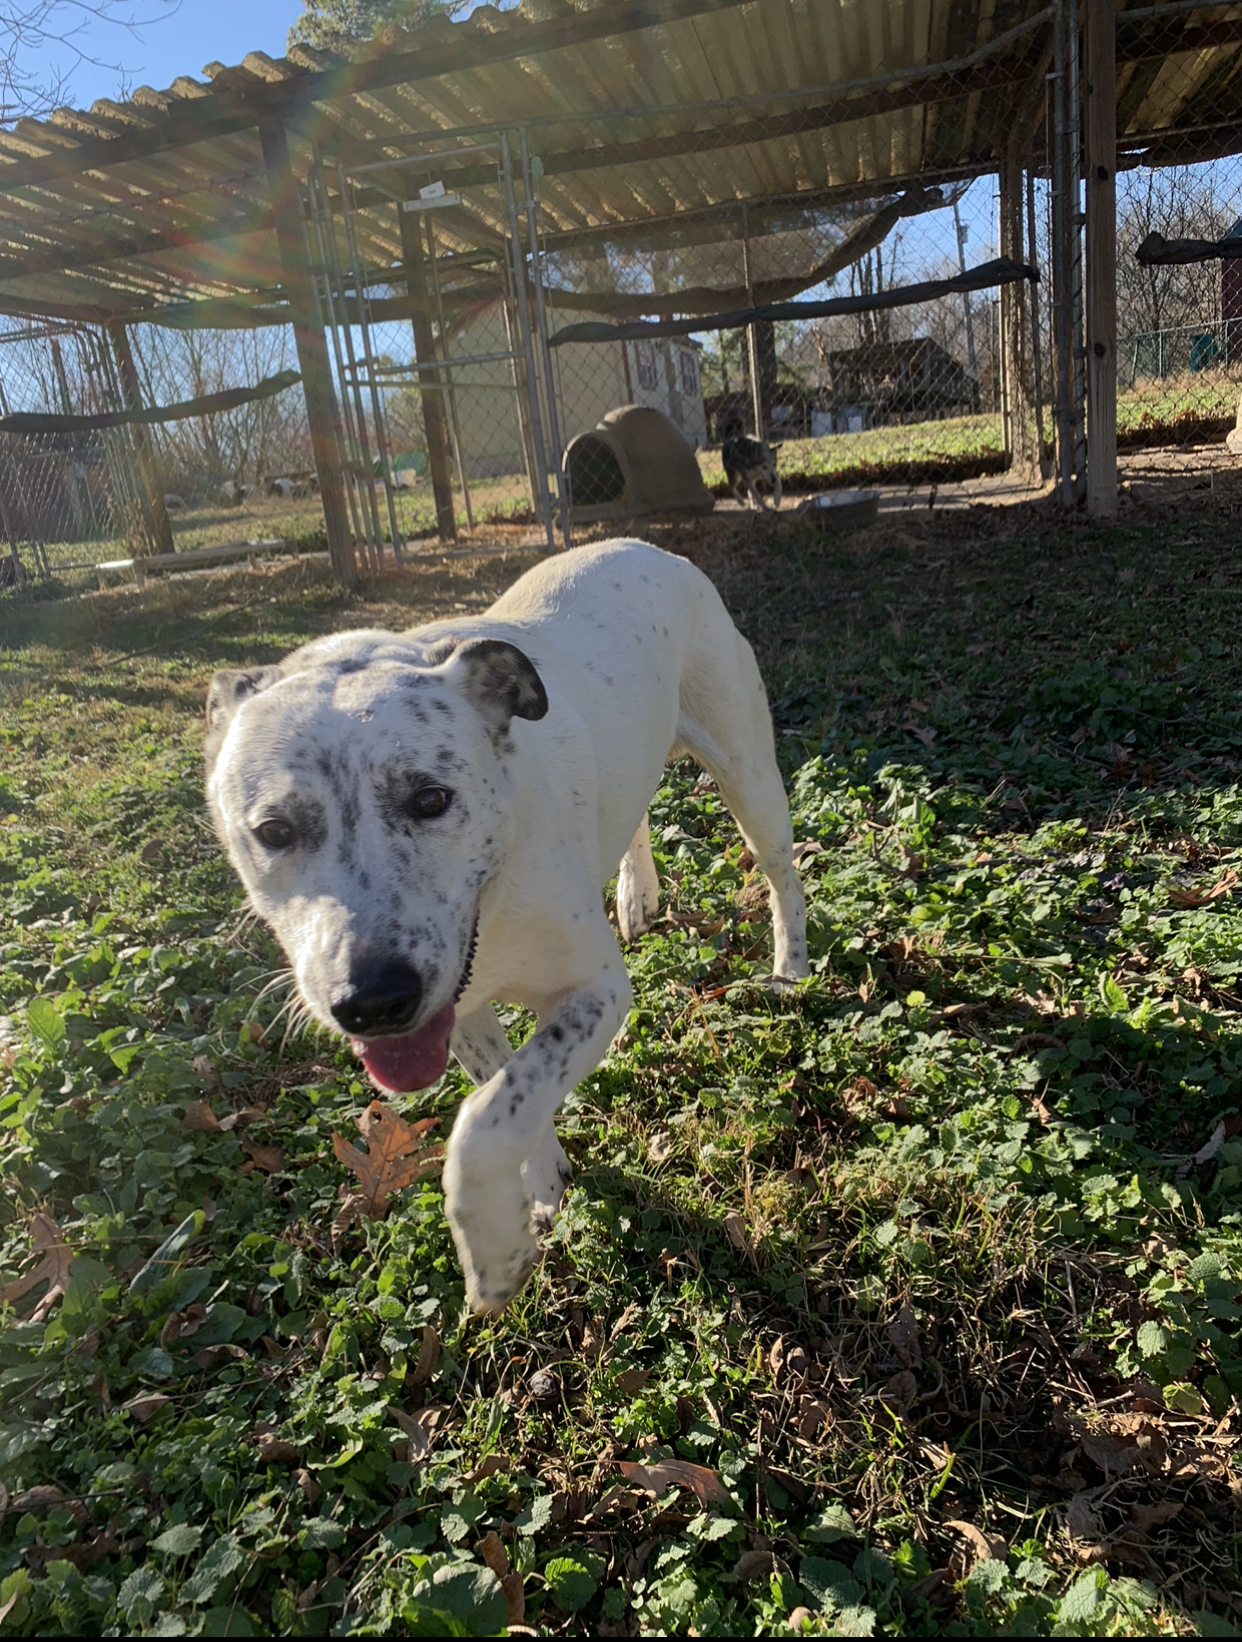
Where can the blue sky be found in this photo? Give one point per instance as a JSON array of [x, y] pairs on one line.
[[168, 43]]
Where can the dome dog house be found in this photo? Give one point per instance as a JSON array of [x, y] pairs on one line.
[[635, 460]]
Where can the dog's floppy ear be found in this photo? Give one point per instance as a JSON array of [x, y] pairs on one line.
[[228, 690], [498, 680]]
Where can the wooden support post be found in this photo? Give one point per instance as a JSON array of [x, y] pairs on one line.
[[1100, 98], [1021, 432], [312, 347], [154, 510], [414, 257]]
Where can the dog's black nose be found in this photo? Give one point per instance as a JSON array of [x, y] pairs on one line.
[[383, 999]]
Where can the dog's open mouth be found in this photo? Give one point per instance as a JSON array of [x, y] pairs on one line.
[[412, 1060]]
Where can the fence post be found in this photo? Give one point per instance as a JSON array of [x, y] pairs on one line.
[[155, 510], [415, 261], [312, 347], [1019, 408], [1101, 338]]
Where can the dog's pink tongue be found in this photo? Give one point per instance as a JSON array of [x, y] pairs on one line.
[[411, 1061]]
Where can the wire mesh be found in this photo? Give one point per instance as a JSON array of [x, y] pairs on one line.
[[906, 395]]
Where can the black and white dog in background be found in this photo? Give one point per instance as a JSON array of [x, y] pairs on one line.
[[427, 819], [750, 468]]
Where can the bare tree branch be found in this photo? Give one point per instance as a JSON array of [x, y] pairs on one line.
[[44, 42]]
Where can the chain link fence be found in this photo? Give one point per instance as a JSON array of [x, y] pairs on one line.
[[907, 395]]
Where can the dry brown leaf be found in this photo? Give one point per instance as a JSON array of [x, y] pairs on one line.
[[255, 1033], [497, 1560], [491, 1466], [788, 1362], [660, 1147], [428, 1357], [182, 1324], [48, 1240], [1147, 1517], [206, 1069], [986, 1547], [754, 1565], [271, 1159], [658, 1478], [631, 1380], [735, 1231], [1081, 1521], [1113, 1455], [244, 1114], [200, 1117], [899, 1392], [904, 1333], [813, 1415], [145, 1405], [632, 1314], [310, 1488], [352, 1206], [418, 1427], [44, 1497], [860, 1092], [396, 1156], [209, 1356], [273, 1448]]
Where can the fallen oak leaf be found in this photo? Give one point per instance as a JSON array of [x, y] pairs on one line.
[[47, 1240], [428, 1356], [271, 1159], [735, 1231], [200, 1117], [396, 1155], [145, 1405], [418, 1428], [986, 1547], [657, 1479], [1147, 1517], [496, 1558], [274, 1448]]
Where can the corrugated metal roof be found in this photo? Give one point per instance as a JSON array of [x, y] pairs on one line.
[[640, 113]]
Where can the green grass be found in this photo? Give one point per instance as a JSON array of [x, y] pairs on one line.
[[924, 1244], [885, 454]]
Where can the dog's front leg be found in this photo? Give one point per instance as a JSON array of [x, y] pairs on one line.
[[483, 1049], [506, 1122]]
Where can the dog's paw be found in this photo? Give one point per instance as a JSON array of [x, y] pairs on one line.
[[547, 1175], [776, 983], [496, 1279], [637, 904]]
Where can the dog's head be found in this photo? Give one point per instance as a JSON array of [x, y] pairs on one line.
[[362, 793]]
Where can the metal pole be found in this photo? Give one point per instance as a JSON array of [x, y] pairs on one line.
[[541, 499], [308, 334], [541, 319], [1061, 303], [334, 305], [970, 318], [1101, 42], [377, 408], [448, 374]]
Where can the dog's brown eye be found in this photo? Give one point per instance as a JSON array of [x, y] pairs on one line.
[[276, 835], [428, 802]]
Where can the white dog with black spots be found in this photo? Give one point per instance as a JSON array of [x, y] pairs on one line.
[[426, 821]]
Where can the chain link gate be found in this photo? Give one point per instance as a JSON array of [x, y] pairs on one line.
[[444, 404]]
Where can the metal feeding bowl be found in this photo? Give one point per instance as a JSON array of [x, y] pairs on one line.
[[841, 509]]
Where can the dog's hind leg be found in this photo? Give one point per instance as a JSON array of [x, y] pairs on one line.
[[638, 886], [480, 1044], [725, 723], [776, 493]]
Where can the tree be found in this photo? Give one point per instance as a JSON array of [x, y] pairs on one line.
[[42, 42], [333, 25]]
